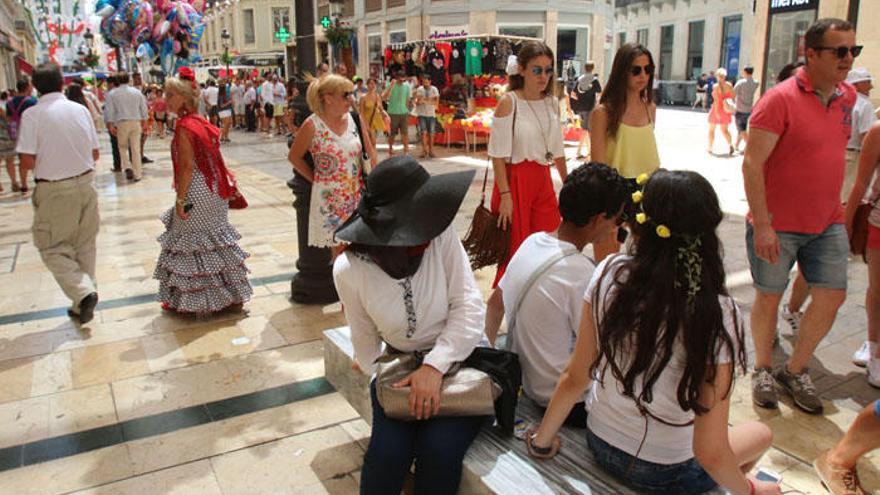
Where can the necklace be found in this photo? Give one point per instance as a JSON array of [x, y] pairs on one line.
[[548, 155]]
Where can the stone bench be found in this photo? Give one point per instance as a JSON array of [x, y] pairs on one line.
[[495, 463]]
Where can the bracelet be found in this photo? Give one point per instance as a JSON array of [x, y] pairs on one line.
[[505, 192], [180, 201], [542, 452], [751, 487]]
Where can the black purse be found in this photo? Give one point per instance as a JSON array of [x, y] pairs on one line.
[[504, 369]]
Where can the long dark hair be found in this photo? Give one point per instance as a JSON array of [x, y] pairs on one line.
[[651, 312], [528, 51], [614, 95], [75, 93]]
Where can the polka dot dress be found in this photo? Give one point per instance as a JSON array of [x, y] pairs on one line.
[[201, 268]]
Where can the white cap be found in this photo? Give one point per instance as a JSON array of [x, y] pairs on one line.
[[858, 75]]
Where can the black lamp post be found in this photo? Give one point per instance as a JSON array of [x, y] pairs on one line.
[[224, 35]]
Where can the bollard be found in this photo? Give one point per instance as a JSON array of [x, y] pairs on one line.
[[313, 281]]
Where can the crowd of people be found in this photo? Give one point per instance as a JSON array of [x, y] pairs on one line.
[[641, 349]]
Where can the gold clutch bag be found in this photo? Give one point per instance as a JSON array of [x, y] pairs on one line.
[[465, 391]]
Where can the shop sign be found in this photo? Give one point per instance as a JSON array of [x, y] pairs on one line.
[[439, 33], [778, 6]]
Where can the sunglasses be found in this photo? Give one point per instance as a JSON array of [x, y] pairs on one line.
[[546, 70], [636, 70], [347, 94], [841, 51]]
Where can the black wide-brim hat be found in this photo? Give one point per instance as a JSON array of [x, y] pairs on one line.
[[404, 205]]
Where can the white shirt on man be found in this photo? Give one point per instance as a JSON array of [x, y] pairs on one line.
[[211, 95], [550, 313], [446, 307], [237, 91], [61, 134], [266, 93], [615, 418], [250, 96], [863, 119], [426, 108], [125, 103]]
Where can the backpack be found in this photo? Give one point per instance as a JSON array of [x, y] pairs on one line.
[[14, 115]]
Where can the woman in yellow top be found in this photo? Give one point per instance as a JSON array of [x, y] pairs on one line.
[[370, 108], [623, 124]]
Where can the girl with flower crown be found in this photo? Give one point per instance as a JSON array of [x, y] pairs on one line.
[[663, 339]]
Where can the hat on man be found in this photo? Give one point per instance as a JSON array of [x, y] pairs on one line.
[[404, 205], [858, 75]]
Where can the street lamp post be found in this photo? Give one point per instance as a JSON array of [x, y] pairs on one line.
[[224, 35], [89, 37]]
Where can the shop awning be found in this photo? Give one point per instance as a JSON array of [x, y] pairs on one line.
[[23, 66]]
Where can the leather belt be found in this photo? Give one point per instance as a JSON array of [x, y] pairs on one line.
[[62, 180]]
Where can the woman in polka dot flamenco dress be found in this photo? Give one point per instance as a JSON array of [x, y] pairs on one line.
[[201, 269]]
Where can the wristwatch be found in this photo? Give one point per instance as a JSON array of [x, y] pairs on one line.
[[180, 201]]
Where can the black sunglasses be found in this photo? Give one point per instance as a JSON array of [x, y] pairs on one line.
[[347, 94], [841, 51], [636, 70], [537, 70]]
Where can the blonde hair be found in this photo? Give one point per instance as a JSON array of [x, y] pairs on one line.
[[184, 88], [324, 85], [722, 72]]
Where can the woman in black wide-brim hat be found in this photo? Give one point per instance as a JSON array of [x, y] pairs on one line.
[[405, 280]]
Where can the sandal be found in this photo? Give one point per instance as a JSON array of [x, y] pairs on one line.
[[16, 187]]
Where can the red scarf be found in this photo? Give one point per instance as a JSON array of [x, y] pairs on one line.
[[205, 139]]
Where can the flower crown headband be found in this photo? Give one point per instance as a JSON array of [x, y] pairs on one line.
[[688, 256]]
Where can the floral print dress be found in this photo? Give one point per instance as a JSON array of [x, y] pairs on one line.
[[337, 184]]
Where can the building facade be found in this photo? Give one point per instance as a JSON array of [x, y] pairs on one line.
[[576, 30], [18, 51], [252, 26], [780, 26], [688, 37]]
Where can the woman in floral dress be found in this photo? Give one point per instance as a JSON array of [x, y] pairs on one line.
[[331, 137], [201, 269]]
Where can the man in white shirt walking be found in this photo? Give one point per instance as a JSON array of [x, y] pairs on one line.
[[745, 100], [544, 285], [212, 94], [427, 97], [279, 100], [267, 100], [126, 116], [58, 140], [236, 88], [250, 107]]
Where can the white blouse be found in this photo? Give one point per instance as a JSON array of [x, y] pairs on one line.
[[537, 131], [439, 308]]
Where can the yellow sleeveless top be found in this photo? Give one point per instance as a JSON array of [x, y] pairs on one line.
[[373, 116], [633, 151]]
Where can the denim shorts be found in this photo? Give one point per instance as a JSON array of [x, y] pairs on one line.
[[686, 477], [426, 125], [742, 121], [822, 258]]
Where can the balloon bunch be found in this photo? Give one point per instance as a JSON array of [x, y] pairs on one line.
[[168, 29]]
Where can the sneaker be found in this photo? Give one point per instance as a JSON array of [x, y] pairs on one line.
[[764, 388], [793, 319], [874, 372], [836, 480], [861, 356], [800, 387], [129, 174], [87, 308]]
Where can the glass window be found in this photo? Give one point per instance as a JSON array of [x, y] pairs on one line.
[[621, 39], [695, 49], [280, 17], [374, 48], [642, 37], [730, 43], [248, 19], [786, 44], [572, 49], [536, 31], [667, 37], [397, 37]]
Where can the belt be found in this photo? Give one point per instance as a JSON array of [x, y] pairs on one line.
[[62, 180], [853, 149]]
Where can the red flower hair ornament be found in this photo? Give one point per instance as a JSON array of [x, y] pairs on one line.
[[187, 74]]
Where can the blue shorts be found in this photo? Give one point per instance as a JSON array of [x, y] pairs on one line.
[[426, 125], [650, 477], [822, 258]]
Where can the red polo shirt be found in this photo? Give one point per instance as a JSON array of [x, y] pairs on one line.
[[804, 173]]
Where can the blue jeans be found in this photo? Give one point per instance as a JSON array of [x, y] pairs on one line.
[[438, 446], [683, 478], [822, 258]]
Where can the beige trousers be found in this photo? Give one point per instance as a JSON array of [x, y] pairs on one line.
[[128, 135], [65, 227]]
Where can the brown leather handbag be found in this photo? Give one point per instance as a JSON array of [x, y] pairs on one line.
[[486, 243], [858, 241]]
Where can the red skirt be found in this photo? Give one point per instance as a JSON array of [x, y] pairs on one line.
[[535, 207]]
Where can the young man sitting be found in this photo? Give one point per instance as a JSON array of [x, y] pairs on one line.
[[543, 288]]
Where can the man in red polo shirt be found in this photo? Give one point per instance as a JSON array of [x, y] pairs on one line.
[[793, 171]]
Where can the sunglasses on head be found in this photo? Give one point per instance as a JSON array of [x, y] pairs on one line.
[[841, 51], [546, 70], [636, 70]]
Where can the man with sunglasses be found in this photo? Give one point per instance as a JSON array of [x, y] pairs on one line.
[[793, 172]]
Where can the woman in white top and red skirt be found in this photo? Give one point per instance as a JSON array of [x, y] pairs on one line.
[[526, 140]]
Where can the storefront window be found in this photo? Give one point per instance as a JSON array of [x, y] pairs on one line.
[[730, 43], [695, 49], [527, 31], [621, 39], [786, 41], [374, 50], [280, 18], [572, 47], [642, 37], [397, 37], [667, 37]]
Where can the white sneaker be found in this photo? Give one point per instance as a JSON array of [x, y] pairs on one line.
[[861, 356], [793, 319], [874, 372]]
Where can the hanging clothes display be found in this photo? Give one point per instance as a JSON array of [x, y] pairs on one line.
[[436, 68], [489, 56], [474, 58], [456, 58], [503, 51]]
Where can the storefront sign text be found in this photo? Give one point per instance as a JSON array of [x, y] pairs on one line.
[[447, 33], [777, 6]]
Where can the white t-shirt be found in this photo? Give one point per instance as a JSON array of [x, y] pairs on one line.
[[237, 91], [61, 134], [550, 313], [279, 93], [863, 119], [537, 131], [426, 108], [440, 307], [615, 418], [211, 95], [266, 93]]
